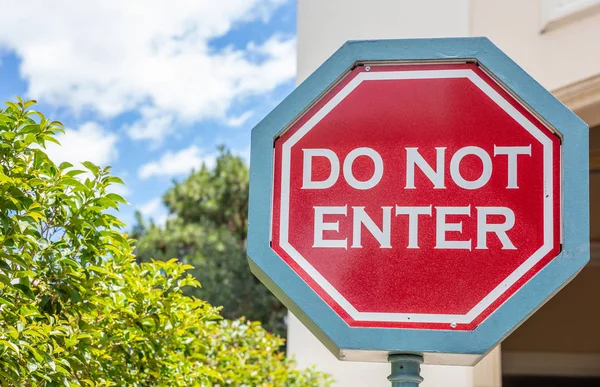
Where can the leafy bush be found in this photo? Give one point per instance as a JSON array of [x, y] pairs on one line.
[[75, 307], [207, 228]]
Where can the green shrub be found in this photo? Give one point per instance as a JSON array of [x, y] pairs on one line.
[[208, 228], [75, 307]]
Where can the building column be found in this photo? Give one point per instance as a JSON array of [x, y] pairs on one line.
[[488, 373]]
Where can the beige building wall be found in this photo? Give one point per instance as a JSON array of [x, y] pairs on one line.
[[324, 25], [556, 41], [560, 56]]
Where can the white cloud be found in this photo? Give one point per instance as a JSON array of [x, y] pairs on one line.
[[116, 56], [177, 163], [153, 125], [88, 143], [154, 209], [245, 154], [239, 120], [150, 207]]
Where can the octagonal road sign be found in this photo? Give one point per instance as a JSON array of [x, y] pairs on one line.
[[418, 196]]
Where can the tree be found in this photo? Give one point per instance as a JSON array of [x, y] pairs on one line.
[[76, 309], [207, 227]]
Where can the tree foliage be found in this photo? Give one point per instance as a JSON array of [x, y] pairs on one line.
[[76, 309], [207, 228]]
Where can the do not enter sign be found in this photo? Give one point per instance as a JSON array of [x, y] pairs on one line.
[[416, 195]]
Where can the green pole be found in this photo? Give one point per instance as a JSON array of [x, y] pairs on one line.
[[406, 370]]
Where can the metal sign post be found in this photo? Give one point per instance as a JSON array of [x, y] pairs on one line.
[[406, 370], [433, 170]]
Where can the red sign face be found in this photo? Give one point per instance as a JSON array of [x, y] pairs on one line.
[[417, 196]]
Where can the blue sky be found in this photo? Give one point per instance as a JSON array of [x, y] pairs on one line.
[[149, 87]]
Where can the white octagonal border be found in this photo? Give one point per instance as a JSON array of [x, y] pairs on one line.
[[414, 317]]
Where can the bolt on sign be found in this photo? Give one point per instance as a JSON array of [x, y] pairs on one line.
[[418, 197]]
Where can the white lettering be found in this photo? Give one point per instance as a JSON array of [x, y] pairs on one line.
[[512, 152], [307, 181], [321, 225], [413, 157], [485, 174], [413, 222], [377, 173], [442, 227], [500, 229], [382, 235]]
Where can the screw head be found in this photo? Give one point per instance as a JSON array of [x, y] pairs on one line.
[[453, 325], [368, 68]]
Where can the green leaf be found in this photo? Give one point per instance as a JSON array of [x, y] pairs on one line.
[[34, 128], [36, 354], [30, 139], [93, 168], [114, 179], [4, 279], [5, 179], [26, 290], [4, 301], [75, 172], [65, 165], [71, 182], [36, 215], [4, 265], [50, 362], [13, 106], [116, 198], [75, 296], [6, 376], [29, 103], [8, 135], [35, 333], [69, 261], [98, 269], [15, 258], [51, 139], [11, 346]]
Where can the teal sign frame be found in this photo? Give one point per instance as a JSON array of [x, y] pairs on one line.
[[437, 346]]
